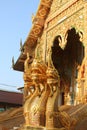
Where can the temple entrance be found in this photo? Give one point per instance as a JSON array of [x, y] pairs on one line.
[[67, 58]]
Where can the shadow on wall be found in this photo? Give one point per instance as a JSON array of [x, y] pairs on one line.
[[72, 54]]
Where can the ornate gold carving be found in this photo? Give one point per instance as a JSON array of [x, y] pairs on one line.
[[65, 119], [36, 30], [26, 64], [38, 23], [42, 12], [45, 81], [53, 82], [52, 75], [77, 6]]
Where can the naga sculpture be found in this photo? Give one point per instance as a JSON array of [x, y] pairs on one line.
[[37, 106], [37, 92], [29, 89], [52, 103], [41, 90]]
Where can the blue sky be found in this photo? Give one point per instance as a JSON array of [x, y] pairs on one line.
[[15, 24]]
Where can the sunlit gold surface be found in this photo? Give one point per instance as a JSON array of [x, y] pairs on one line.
[[42, 81], [41, 104]]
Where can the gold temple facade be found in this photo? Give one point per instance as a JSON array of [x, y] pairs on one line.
[[54, 60], [67, 20]]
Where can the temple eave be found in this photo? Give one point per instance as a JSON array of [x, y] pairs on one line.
[[34, 34]]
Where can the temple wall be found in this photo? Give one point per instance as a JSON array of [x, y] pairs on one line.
[[67, 18], [59, 20], [85, 41], [56, 5], [63, 15]]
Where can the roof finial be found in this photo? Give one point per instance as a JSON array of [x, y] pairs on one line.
[[21, 46], [33, 16], [13, 62]]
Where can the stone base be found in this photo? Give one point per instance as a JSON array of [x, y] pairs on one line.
[[40, 128]]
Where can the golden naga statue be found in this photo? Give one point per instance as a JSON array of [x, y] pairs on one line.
[[53, 82], [41, 85], [27, 78]]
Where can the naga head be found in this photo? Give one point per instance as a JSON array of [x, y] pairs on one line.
[[38, 71], [52, 73], [52, 76], [38, 68]]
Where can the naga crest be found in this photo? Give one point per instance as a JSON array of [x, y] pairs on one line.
[[52, 73]]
